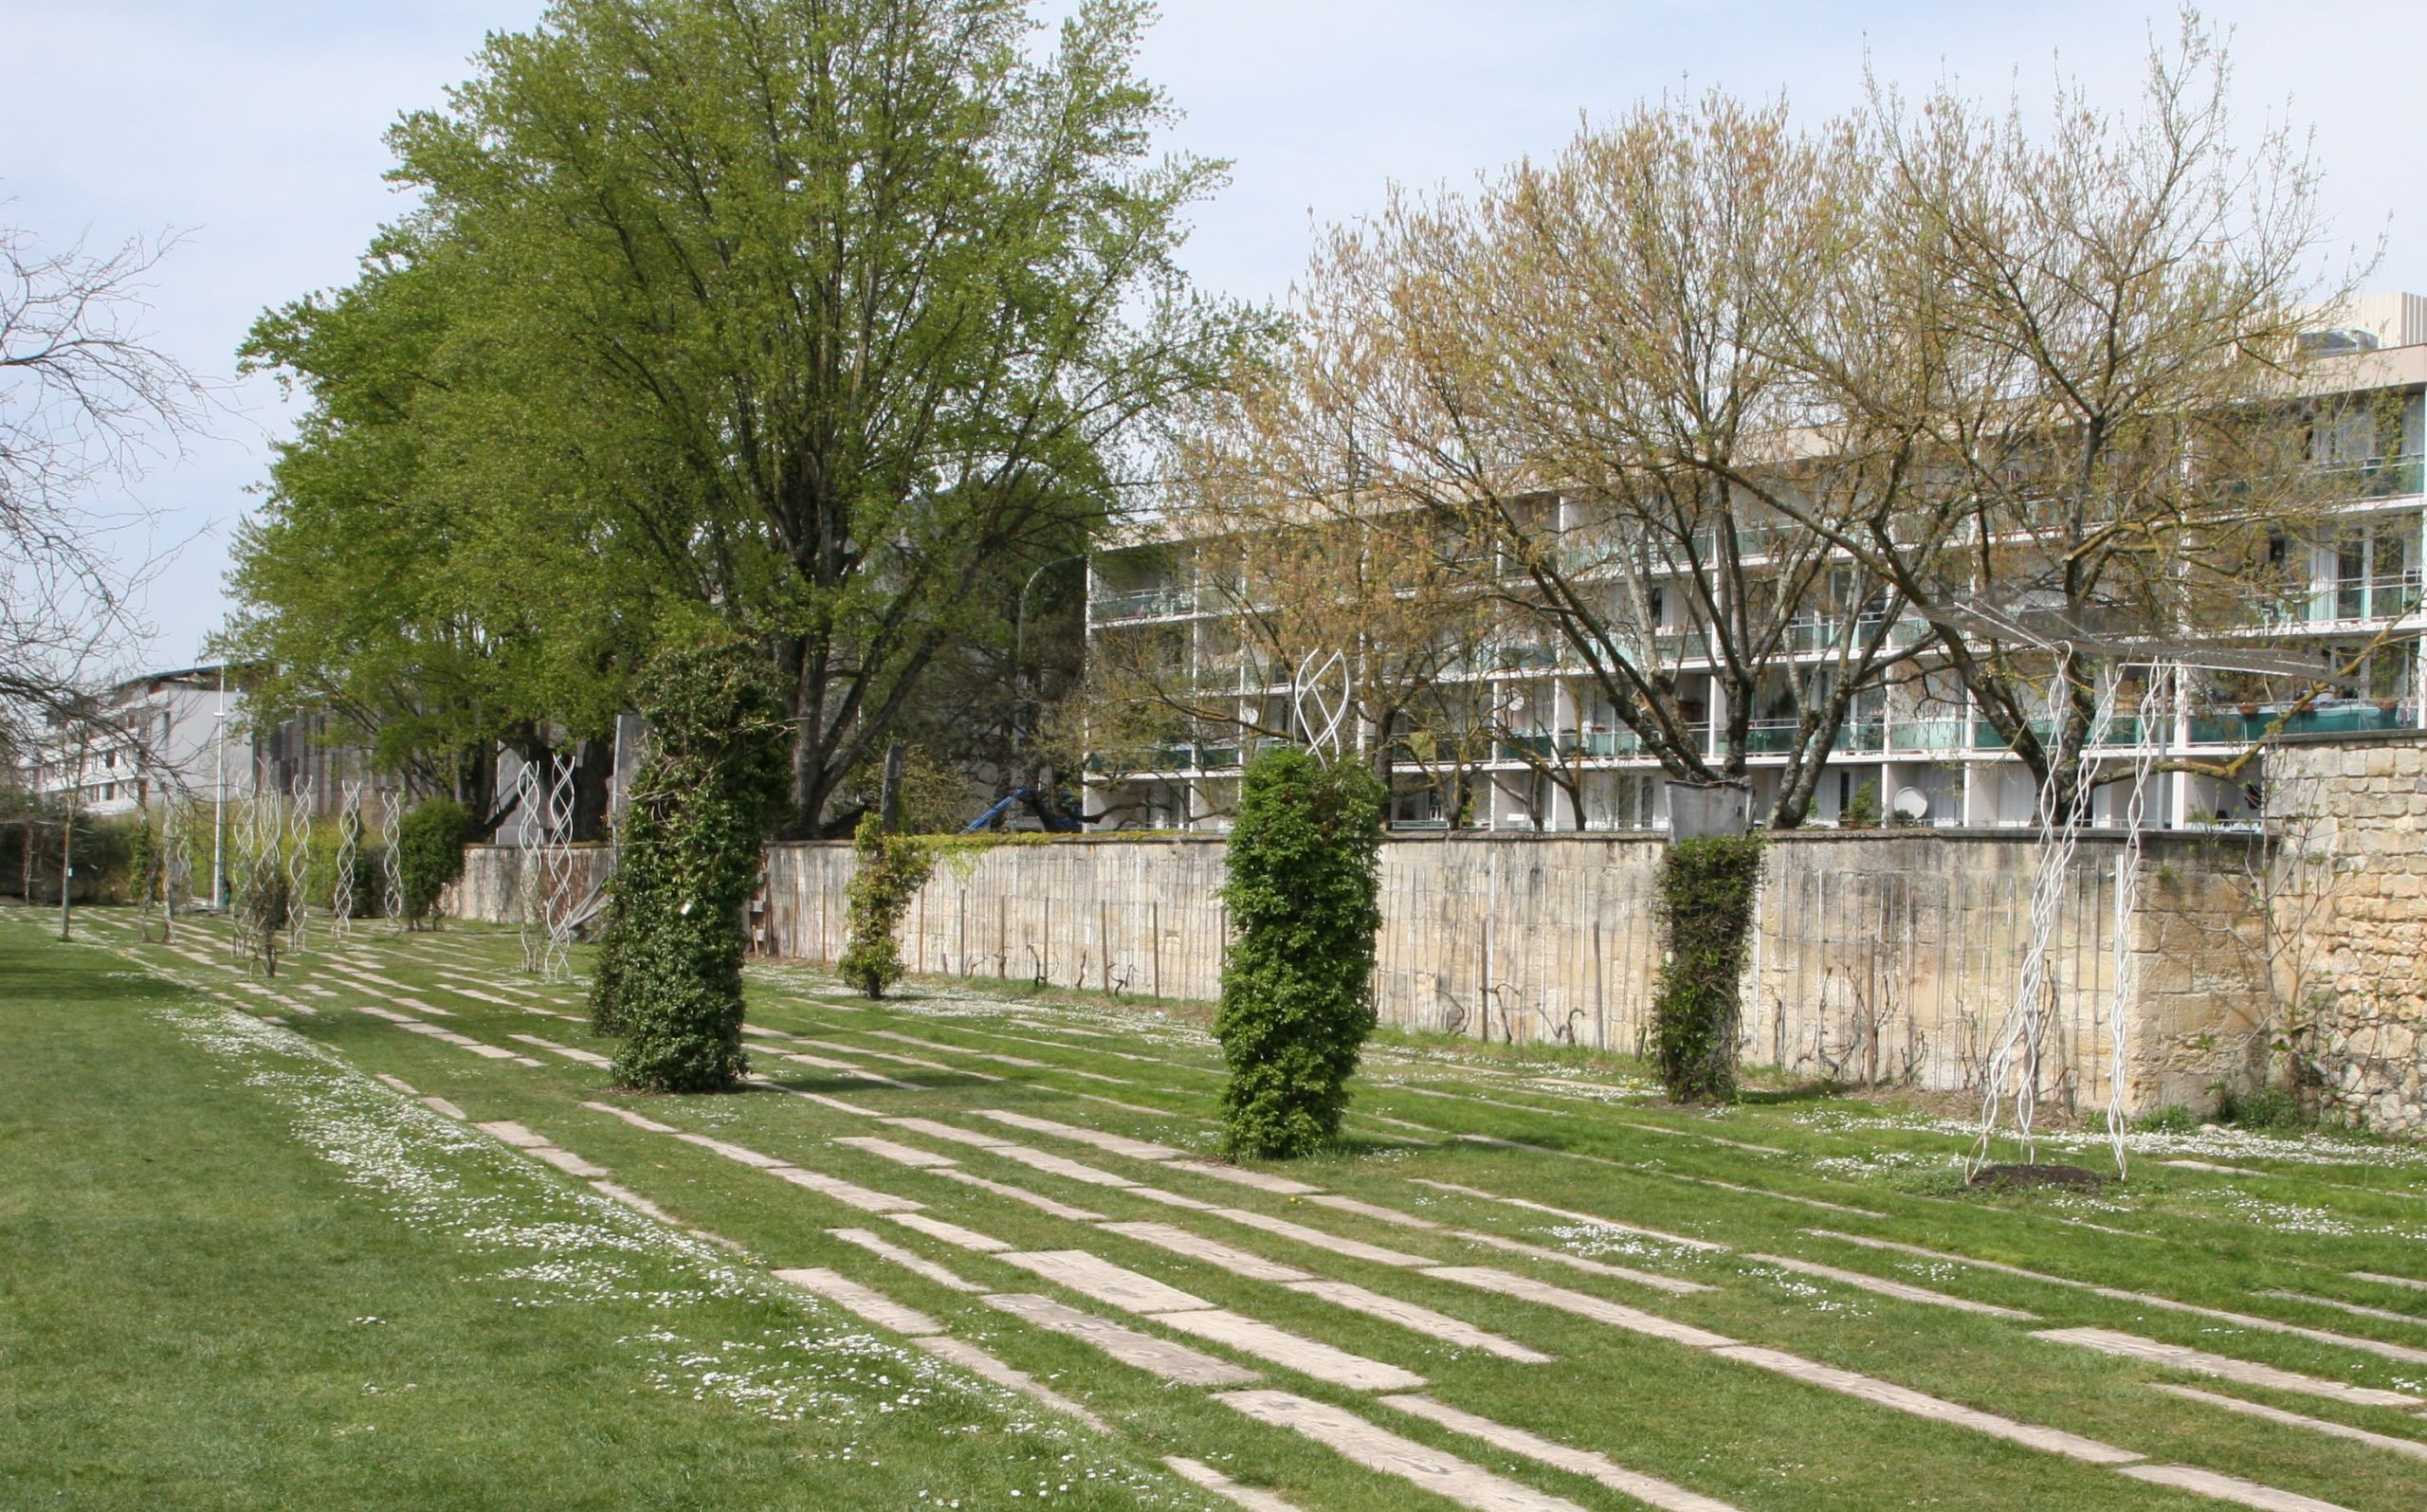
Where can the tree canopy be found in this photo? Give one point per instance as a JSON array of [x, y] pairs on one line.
[[808, 316]]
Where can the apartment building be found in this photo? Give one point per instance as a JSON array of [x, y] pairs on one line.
[[1543, 751], [182, 736]]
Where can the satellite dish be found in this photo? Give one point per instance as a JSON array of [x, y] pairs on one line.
[[1912, 803]]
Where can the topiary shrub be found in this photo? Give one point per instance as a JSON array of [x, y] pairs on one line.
[[430, 855], [891, 871], [1706, 890], [1303, 893], [670, 980]]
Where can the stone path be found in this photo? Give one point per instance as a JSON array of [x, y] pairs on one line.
[[2415, 1449], [1649, 1489], [2180, 1357], [1157, 1356], [1198, 1473], [2374, 1346], [2229, 1488], [2384, 1314], [1355, 1439], [978, 1362], [1421, 1319], [1195, 1247], [917, 1264], [860, 1302]]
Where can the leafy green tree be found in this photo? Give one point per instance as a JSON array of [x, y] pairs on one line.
[[810, 317], [671, 983], [1304, 874], [429, 854]]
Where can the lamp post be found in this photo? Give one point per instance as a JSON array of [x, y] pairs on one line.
[[1021, 699], [219, 803]]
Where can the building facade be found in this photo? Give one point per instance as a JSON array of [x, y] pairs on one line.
[[1548, 754]]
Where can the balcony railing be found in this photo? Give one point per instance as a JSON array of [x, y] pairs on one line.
[[1143, 603], [2239, 726], [2377, 478]]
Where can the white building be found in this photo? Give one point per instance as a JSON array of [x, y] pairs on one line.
[[1915, 747]]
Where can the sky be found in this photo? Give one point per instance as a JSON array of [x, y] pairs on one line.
[[253, 129]]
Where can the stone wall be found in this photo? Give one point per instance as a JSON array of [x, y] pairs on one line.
[[491, 888], [1886, 956], [2348, 903], [1877, 957]]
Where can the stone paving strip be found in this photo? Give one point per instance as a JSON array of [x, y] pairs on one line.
[[883, 1249], [1035, 1199], [446, 1036], [1237, 1261], [768, 1083], [843, 1069], [1052, 1164], [1305, 1355], [1206, 1477], [2181, 1357], [1672, 1175], [2228, 1488], [569, 1052], [951, 1234], [1111, 1143], [1651, 1491], [1705, 1246], [860, 1302], [978, 1362], [1829, 1377], [1469, 1097], [1353, 1249], [1160, 1357], [1906, 1399], [1368, 1209], [2386, 1314], [2387, 1281], [1355, 1439], [1195, 1247], [2271, 1326], [1421, 1319], [849, 1193], [1901, 1290], [1094, 1277], [1697, 1134], [2416, 1448], [899, 1154]]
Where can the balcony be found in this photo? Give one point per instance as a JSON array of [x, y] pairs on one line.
[[2377, 478], [2326, 717], [2385, 596], [1143, 603]]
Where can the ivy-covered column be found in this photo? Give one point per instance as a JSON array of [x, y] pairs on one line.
[[1297, 998]]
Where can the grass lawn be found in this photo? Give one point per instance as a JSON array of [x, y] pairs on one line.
[[212, 1188]]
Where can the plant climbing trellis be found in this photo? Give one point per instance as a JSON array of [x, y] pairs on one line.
[[2011, 1082], [299, 867], [341, 899], [391, 870], [544, 879]]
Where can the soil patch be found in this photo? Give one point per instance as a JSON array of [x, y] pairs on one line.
[[2019, 1177]]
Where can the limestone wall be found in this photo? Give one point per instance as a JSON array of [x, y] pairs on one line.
[[491, 888], [1883, 957], [2348, 903], [1880, 956]]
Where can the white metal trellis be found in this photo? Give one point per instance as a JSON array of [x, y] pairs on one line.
[[556, 963], [2121, 973], [392, 872], [529, 834], [349, 852], [298, 868], [1319, 714]]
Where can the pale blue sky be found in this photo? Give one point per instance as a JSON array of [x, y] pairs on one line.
[[254, 126]]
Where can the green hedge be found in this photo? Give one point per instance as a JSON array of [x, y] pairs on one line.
[[429, 854], [1297, 1001], [1706, 891]]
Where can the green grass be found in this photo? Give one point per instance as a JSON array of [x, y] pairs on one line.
[[184, 1260]]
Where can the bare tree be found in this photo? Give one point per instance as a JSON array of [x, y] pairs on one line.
[[2071, 358], [85, 401]]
